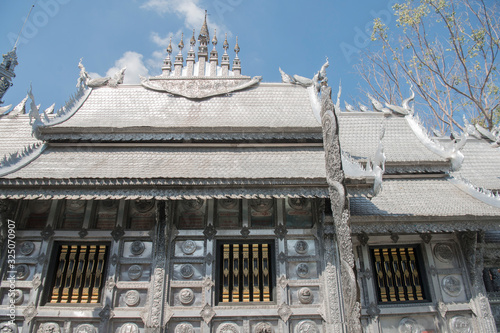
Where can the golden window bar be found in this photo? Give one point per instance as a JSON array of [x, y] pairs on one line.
[[79, 274], [245, 273], [397, 274]]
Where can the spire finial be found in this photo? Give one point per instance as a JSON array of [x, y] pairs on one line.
[[214, 40], [181, 43], [193, 40], [204, 34], [169, 47], [225, 46], [236, 47]]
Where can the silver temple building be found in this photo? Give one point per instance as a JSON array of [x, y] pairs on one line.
[[204, 200]]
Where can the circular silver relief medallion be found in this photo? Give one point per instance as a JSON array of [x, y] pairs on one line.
[[408, 325], [305, 295], [186, 296], [187, 271], [129, 328], [27, 248], [23, 271], [228, 328], [85, 328], [135, 272], [302, 270], [301, 247], [443, 253], [306, 326], [49, 328], [188, 247], [17, 296], [264, 328], [184, 328], [452, 285], [137, 247], [132, 298], [460, 324], [143, 206]]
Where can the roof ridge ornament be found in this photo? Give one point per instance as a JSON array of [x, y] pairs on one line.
[[15, 161]]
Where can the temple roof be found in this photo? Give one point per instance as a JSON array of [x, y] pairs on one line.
[[15, 134], [174, 163], [266, 108], [481, 165], [421, 198]]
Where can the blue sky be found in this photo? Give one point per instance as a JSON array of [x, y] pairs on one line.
[[293, 35]]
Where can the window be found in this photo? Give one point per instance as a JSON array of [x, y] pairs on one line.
[[399, 276], [79, 274], [245, 272]]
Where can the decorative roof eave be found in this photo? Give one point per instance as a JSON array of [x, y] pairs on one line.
[[406, 224], [395, 167], [167, 193], [484, 195]]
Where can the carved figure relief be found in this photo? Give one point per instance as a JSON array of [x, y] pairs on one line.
[[49, 328], [184, 328], [228, 203], [129, 328], [27, 248], [132, 298], [264, 328], [305, 295], [228, 328], [193, 204], [85, 328], [186, 296], [443, 253], [408, 325], [188, 247], [137, 247], [302, 270], [39, 206], [460, 324], [143, 206], [297, 203], [261, 205], [306, 326], [135, 272], [301, 247], [451, 285]]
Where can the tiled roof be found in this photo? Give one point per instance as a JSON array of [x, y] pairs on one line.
[[421, 197], [157, 162], [266, 106], [360, 134], [15, 134], [481, 165]]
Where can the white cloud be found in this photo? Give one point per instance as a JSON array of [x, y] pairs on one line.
[[189, 10], [135, 67]]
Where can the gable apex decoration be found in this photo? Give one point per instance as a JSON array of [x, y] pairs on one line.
[[201, 88]]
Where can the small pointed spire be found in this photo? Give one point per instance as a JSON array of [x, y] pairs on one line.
[[169, 47], [225, 46], [214, 40], [236, 47], [181, 43], [193, 40], [204, 35]]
